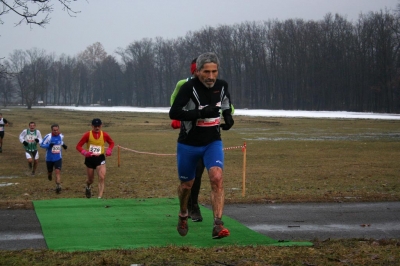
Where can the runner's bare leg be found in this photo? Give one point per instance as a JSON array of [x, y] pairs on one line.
[[217, 191]]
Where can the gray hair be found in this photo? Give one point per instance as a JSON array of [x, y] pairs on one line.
[[206, 58]]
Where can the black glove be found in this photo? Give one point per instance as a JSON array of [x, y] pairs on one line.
[[64, 146], [209, 111], [228, 120], [37, 140], [25, 143], [51, 145]]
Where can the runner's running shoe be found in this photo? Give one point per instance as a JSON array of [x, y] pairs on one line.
[[219, 231], [182, 226], [50, 176], [195, 213], [58, 188], [33, 173], [88, 192]]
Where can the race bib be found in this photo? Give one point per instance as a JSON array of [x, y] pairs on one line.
[[208, 122], [30, 138], [96, 150], [56, 149]]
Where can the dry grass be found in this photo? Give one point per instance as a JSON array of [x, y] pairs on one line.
[[337, 252], [288, 160]]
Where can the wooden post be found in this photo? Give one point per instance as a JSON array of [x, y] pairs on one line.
[[119, 161], [244, 171]]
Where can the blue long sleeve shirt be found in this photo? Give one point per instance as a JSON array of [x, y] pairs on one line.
[[53, 153]]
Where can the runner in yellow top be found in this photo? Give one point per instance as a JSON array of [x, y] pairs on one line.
[[95, 155]]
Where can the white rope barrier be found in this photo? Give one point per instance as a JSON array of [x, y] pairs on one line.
[[243, 147], [142, 152]]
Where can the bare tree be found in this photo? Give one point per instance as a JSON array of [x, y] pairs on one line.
[[32, 74], [92, 58], [6, 90], [140, 60], [3, 70], [33, 11], [107, 78], [330, 64]]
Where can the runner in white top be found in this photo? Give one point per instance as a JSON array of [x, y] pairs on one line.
[[3, 123], [30, 138]]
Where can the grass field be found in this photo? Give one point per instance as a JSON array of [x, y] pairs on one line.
[[287, 160]]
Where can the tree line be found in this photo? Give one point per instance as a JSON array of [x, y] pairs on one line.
[[330, 64]]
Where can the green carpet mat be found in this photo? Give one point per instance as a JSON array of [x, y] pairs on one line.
[[101, 224]]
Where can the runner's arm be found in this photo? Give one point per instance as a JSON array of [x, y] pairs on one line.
[[109, 140], [44, 143], [177, 111], [83, 140], [22, 136], [176, 90], [39, 136]]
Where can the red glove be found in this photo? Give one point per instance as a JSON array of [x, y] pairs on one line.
[[175, 124], [108, 152], [86, 153]]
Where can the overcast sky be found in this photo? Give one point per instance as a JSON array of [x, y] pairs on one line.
[[118, 23]]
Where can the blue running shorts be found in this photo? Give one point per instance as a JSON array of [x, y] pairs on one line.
[[56, 165], [188, 156]]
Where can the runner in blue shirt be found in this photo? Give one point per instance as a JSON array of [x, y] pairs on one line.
[[53, 142]]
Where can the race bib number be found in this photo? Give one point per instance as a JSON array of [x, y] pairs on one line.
[[56, 149], [30, 138], [208, 122], [96, 150]]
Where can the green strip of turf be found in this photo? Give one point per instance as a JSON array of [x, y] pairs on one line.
[[102, 224]]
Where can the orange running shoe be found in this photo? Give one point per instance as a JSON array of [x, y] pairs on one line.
[[219, 231], [182, 227]]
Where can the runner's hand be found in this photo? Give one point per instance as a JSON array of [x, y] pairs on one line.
[[37, 140], [228, 120], [25, 143], [108, 152], [209, 111], [175, 124], [64, 146], [86, 153], [51, 145]]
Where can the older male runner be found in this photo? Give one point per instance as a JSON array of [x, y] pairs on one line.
[[197, 105]]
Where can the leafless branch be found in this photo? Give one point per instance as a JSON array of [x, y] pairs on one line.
[[31, 11]]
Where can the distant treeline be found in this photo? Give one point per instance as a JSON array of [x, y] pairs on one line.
[[331, 64]]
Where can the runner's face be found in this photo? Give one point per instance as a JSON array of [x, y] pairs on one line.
[[55, 131], [208, 74], [32, 126], [96, 128]]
